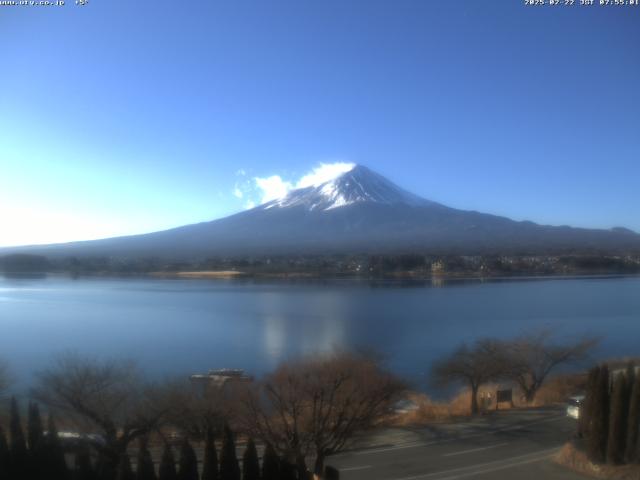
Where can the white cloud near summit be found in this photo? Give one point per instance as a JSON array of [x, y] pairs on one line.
[[324, 173], [272, 187], [258, 190]]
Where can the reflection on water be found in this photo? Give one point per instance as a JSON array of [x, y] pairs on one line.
[[281, 339], [321, 328], [184, 326]]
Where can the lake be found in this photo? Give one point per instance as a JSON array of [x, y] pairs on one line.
[[190, 326]]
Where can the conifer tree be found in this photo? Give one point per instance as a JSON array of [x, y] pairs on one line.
[[167, 465], [599, 431], [210, 461], [18, 454], [586, 410], [331, 473], [53, 455], [37, 450], [4, 455], [631, 377], [270, 464], [35, 432], [105, 468], [229, 468], [287, 470], [83, 469], [125, 472], [145, 469], [633, 424], [188, 464], [250, 462], [617, 421]]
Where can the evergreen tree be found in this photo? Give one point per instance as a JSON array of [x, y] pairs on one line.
[[167, 465], [287, 470], [35, 432], [125, 471], [599, 431], [4, 455], [270, 464], [633, 424], [586, 410], [105, 468], [53, 456], [617, 421], [83, 469], [229, 468], [631, 377], [145, 469], [18, 454], [250, 462], [331, 473], [188, 464], [37, 450], [210, 461]]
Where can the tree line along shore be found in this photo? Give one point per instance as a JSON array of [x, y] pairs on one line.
[[364, 265]]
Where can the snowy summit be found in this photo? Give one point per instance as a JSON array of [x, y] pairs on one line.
[[358, 185]]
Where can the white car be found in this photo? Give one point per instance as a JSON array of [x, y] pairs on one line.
[[573, 406]]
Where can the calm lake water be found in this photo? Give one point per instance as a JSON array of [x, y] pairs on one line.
[[188, 326]]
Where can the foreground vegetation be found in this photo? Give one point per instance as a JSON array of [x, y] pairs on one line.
[[305, 410], [525, 361], [610, 416], [41, 455], [607, 444], [119, 426]]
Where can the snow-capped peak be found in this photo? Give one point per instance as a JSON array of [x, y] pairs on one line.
[[357, 185]]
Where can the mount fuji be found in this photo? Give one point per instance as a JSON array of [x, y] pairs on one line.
[[357, 212]]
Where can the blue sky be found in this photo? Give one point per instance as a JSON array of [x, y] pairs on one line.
[[124, 117]]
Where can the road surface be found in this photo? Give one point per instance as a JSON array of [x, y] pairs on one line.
[[515, 444]]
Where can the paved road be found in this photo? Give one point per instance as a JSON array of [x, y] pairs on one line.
[[509, 444]]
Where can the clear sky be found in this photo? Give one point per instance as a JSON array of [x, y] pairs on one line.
[[131, 116]]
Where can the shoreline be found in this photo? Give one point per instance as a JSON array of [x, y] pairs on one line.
[[244, 275]]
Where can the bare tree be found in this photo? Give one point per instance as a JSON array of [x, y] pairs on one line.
[[531, 358], [198, 409], [473, 366], [314, 406], [109, 396]]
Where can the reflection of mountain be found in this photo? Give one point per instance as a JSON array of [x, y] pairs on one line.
[[322, 331], [358, 212]]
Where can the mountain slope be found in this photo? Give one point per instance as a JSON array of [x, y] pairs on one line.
[[357, 212]]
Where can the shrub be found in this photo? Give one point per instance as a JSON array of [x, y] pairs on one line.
[[250, 463], [229, 468], [145, 469], [124, 469], [188, 465], [270, 464], [210, 462], [633, 440], [599, 431], [617, 421], [167, 465]]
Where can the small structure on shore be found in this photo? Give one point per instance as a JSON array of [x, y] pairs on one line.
[[220, 377]]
